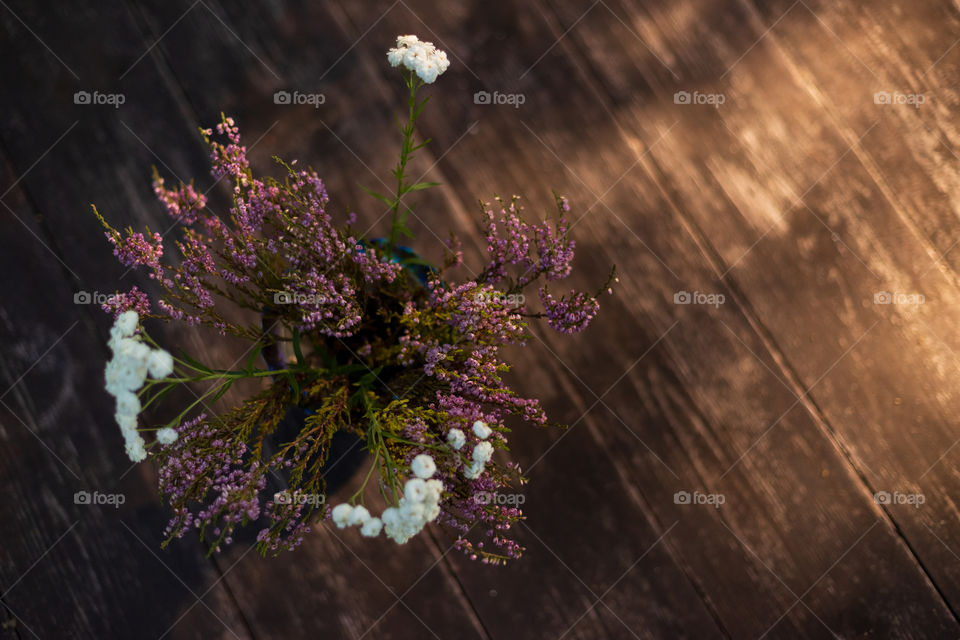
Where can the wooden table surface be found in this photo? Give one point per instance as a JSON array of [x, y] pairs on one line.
[[789, 165]]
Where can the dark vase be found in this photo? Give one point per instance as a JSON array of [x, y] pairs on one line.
[[347, 453], [346, 449]]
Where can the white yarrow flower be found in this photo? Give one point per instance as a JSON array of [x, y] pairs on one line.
[[359, 515], [415, 490], [434, 490], [423, 466], [390, 516], [126, 323], [126, 372], [167, 435], [482, 430], [473, 469], [483, 452], [418, 56], [412, 512], [395, 57], [128, 423], [456, 438], [128, 404], [160, 364], [371, 528], [341, 514], [136, 450]]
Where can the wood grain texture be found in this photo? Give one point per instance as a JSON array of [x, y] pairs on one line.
[[334, 128], [68, 569], [796, 399], [831, 263], [769, 492]]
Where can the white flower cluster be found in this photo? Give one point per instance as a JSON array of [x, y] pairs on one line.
[[167, 435], [422, 58], [457, 439], [418, 506], [127, 370], [482, 451]]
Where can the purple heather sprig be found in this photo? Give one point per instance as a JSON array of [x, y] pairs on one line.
[[359, 332]]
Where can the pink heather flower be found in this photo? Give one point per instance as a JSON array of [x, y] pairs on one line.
[[279, 253], [136, 250], [134, 300], [204, 466], [229, 159], [532, 249], [183, 203], [571, 313]]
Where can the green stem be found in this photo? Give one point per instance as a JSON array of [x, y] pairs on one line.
[[406, 150], [212, 391]]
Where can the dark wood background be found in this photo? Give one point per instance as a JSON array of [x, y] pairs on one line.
[[799, 199]]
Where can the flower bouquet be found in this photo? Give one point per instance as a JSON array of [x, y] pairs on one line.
[[360, 333]]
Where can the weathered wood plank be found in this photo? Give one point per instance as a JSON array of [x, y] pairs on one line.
[[69, 569], [775, 127], [107, 576], [721, 380], [798, 520], [354, 85], [332, 567]]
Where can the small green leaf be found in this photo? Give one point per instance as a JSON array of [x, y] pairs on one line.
[[415, 260], [296, 346], [379, 196], [254, 355], [226, 387], [422, 185], [294, 386], [159, 396], [194, 363]]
